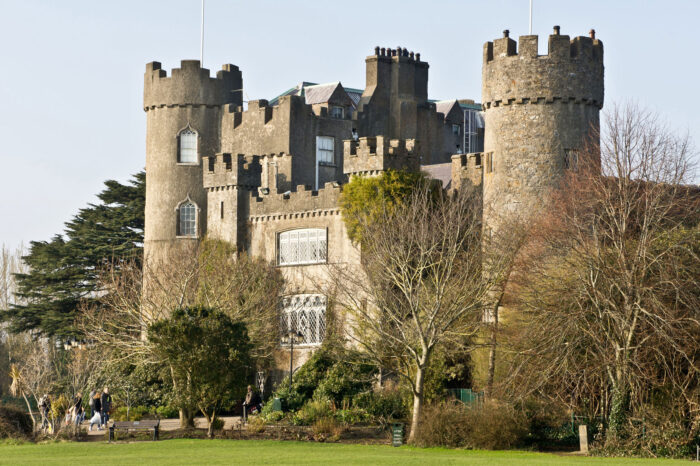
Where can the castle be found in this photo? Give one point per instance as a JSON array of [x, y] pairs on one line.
[[267, 179]]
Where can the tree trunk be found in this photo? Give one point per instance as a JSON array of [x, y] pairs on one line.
[[417, 402], [186, 418], [618, 410], [492, 355], [31, 414]]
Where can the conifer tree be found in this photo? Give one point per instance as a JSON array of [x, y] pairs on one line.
[[64, 270]]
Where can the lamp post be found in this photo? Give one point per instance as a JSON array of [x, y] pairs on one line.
[[289, 339]]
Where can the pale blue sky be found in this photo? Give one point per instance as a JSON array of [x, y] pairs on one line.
[[71, 71]]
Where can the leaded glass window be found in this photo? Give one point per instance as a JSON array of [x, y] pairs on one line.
[[304, 246], [187, 221], [188, 146], [306, 314]]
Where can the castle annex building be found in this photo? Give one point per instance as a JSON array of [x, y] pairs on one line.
[[267, 178]]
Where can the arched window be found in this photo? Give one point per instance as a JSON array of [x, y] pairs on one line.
[[304, 246], [187, 219], [188, 146], [305, 314]]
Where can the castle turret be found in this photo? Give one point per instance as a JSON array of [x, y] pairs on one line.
[[539, 109], [183, 118]]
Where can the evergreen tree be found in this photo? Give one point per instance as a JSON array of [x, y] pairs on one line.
[[64, 270]]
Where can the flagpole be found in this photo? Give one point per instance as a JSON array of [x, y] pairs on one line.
[[201, 40], [530, 16]]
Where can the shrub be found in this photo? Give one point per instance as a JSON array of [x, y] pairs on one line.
[[328, 427], [217, 424], [452, 424], [256, 424], [14, 423], [136, 413], [311, 412], [384, 405], [166, 412], [272, 416], [352, 416], [344, 380]]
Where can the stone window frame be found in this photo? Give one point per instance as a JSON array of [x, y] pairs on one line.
[[304, 313], [197, 211], [280, 238], [187, 129], [334, 108], [488, 163]]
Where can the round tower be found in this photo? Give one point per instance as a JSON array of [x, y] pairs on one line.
[[539, 110], [183, 124]]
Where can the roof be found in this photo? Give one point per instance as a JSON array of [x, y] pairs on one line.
[[440, 171], [445, 106], [304, 87]]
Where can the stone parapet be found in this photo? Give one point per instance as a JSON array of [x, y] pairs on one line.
[[296, 203], [224, 170], [373, 155], [191, 85], [572, 71], [467, 166]]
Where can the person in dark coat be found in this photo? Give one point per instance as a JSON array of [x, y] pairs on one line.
[[106, 402], [78, 410], [96, 409]]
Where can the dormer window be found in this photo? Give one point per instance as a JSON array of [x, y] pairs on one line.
[[337, 112], [456, 129], [187, 142]]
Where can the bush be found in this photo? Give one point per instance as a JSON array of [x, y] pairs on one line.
[[256, 424], [217, 424], [328, 427], [324, 377], [272, 416], [136, 413], [494, 426], [14, 423], [384, 405], [167, 412], [311, 412]]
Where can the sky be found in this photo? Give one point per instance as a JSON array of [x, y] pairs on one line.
[[71, 72]]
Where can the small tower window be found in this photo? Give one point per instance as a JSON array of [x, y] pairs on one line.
[[187, 219], [337, 112], [456, 129], [188, 146], [571, 159], [325, 149]]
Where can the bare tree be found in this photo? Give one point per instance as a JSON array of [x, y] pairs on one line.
[[611, 287], [33, 374], [420, 284], [211, 275]]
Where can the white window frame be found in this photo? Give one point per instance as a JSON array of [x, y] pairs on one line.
[[302, 246], [306, 314], [325, 149], [188, 147], [193, 218]]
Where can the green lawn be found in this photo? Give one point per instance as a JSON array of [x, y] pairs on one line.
[[190, 452]]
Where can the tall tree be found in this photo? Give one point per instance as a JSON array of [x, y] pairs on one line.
[[64, 270], [421, 284], [613, 285]]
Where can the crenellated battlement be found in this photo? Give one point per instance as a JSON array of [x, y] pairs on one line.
[[467, 166], [572, 71], [372, 155], [296, 203], [559, 47], [191, 85], [225, 170]]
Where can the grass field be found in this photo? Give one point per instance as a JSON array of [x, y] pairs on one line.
[[185, 451]]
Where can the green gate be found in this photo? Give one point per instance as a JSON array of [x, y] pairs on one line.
[[467, 396]]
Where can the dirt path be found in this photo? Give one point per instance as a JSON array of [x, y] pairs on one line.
[[173, 424]]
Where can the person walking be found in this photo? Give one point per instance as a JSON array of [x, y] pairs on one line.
[[91, 402], [78, 410], [96, 412], [106, 405]]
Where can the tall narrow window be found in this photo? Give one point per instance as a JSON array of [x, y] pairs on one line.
[[304, 246], [188, 146], [571, 159], [222, 209], [187, 219], [306, 314], [324, 149]]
